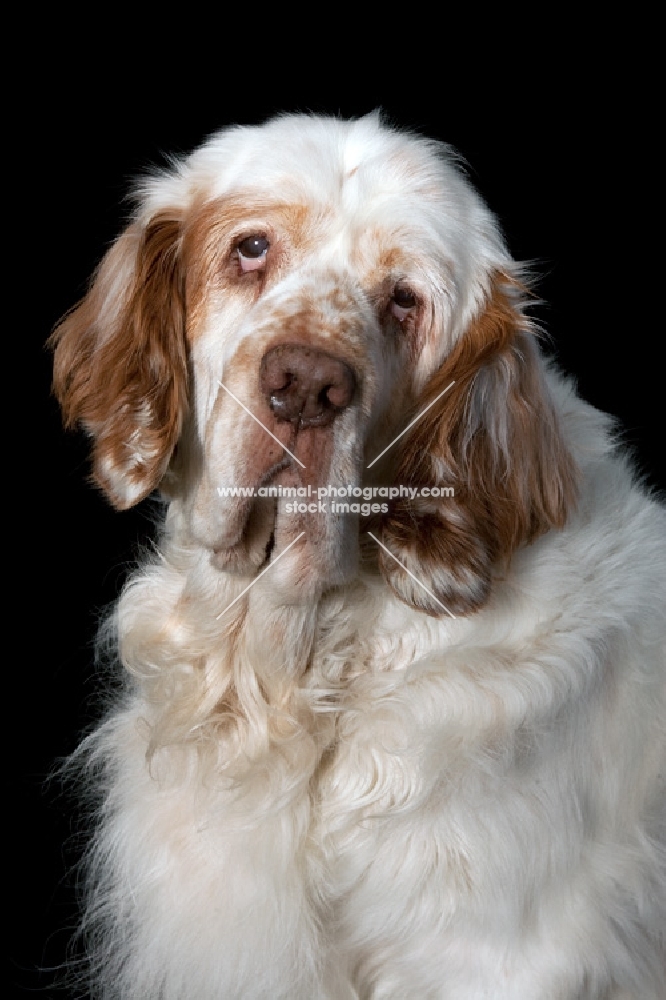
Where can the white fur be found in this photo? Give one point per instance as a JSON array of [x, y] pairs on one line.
[[401, 807]]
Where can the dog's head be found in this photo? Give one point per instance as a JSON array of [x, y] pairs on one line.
[[287, 302]]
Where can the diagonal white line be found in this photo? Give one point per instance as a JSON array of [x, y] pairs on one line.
[[259, 576], [411, 424], [249, 412], [415, 578]]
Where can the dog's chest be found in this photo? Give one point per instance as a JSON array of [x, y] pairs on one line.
[[385, 807]]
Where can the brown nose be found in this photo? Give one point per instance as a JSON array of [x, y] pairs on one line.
[[305, 386]]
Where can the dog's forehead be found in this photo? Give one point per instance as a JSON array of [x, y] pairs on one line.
[[353, 168], [317, 157]]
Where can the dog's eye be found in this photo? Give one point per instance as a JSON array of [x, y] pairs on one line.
[[402, 302], [252, 252]]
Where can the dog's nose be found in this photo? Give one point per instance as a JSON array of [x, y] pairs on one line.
[[304, 385]]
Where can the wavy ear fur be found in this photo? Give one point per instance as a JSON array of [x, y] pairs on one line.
[[495, 438], [120, 367]]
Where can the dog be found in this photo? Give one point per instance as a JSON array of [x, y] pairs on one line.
[[393, 716]]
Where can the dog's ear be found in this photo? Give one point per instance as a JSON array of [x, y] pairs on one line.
[[494, 438], [120, 368]]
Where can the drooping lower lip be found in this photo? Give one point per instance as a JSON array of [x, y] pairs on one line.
[[269, 548], [250, 548]]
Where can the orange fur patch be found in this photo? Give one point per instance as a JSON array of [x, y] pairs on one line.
[[209, 240], [120, 365], [495, 438]]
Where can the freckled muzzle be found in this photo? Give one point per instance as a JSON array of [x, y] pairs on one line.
[[292, 412]]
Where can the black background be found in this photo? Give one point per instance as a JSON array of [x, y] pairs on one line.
[[565, 165]]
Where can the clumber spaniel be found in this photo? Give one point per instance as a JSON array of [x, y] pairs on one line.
[[394, 708]]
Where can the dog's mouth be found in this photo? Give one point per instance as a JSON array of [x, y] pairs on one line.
[[256, 519], [284, 510]]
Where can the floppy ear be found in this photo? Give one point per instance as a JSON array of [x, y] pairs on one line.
[[495, 438], [120, 367]]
